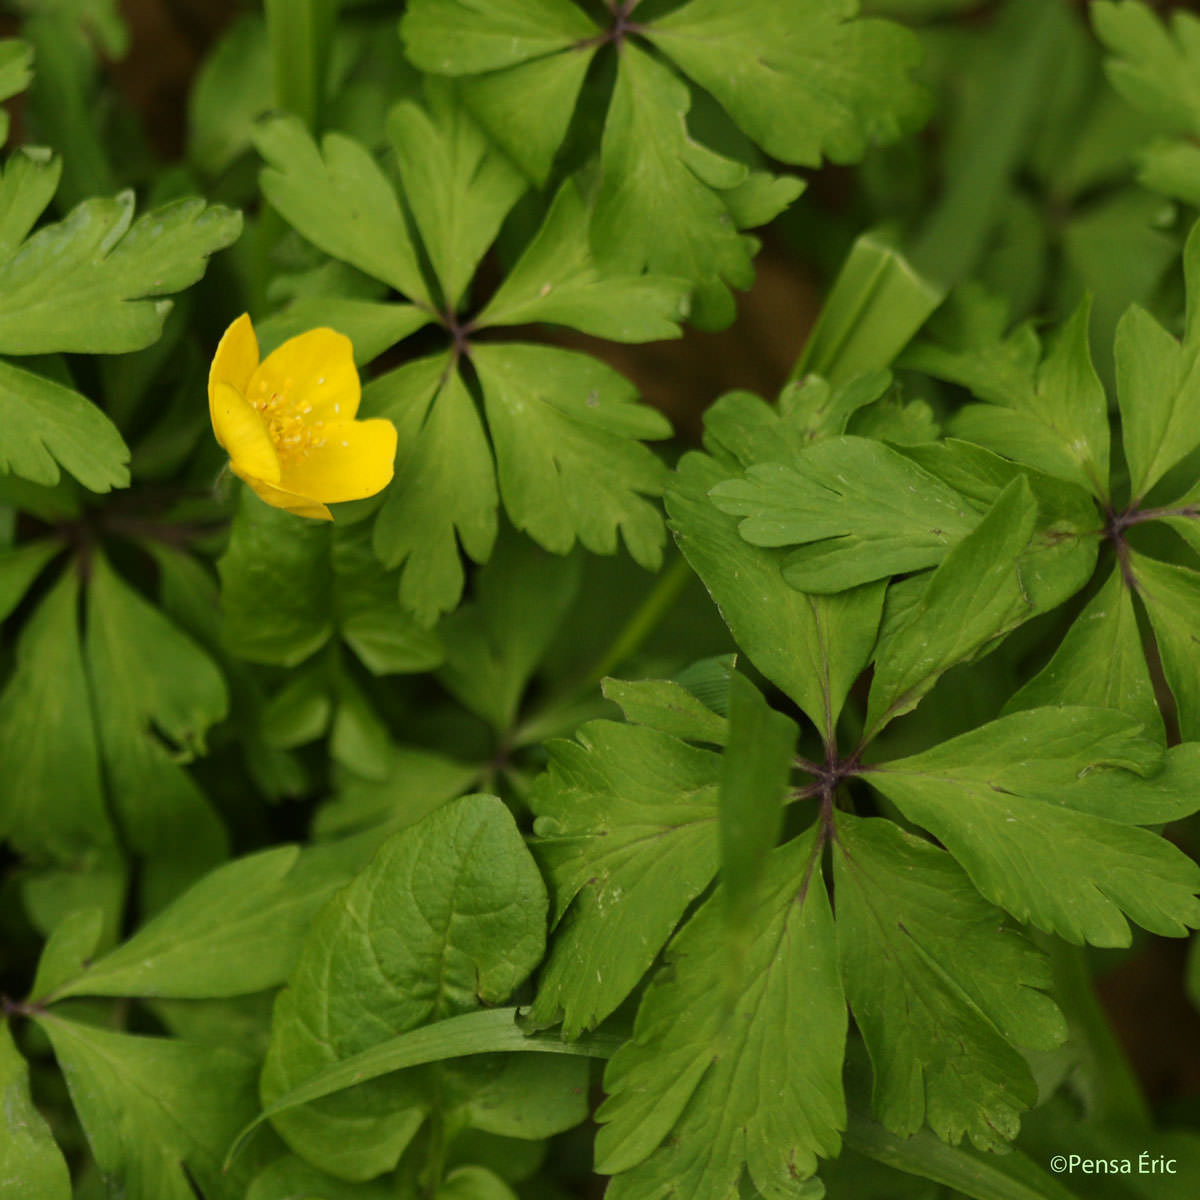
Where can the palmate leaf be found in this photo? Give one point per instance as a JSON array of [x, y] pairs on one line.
[[156, 1110], [53, 801], [563, 429], [1158, 384], [444, 494], [731, 1073], [557, 280], [1153, 66], [29, 1157], [161, 694], [627, 835], [871, 511], [458, 190], [846, 83], [1048, 413], [1099, 662], [660, 205], [567, 434], [45, 426], [1002, 800], [449, 915], [1171, 595], [93, 283], [813, 647], [973, 598], [941, 988], [236, 931], [338, 198]]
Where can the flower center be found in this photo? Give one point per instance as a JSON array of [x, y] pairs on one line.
[[289, 424]]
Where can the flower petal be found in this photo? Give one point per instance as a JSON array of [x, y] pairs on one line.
[[243, 434], [301, 506], [316, 372], [236, 357], [357, 460]]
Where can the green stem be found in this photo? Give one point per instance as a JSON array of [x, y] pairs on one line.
[[668, 587], [300, 33], [1115, 1095]]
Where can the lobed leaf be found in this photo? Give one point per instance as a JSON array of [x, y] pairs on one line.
[[566, 433], [627, 836], [29, 1156], [992, 797], [730, 1074], [941, 988]]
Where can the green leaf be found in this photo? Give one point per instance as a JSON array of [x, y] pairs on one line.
[[660, 205], [862, 510], [1100, 662], [30, 179], [670, 707], [754, 1075], [495, 643], [1171, 595], [1061, 556], [485, 1031], [92, 283], [236, 931], [474, 1183], [463, 37], [875, 307], [156, 1111], [16, 63], [755, 771], [813, 647], [19, 567], [53, 800], [846, 84], [557, 280], [627, 836], [338, 198], [444, 492], [973, 598], [372, 327], [527, 93], [457, 187], [46, 425], [565, 429], [1051, 415], [161, 693], [232, 89], [417, 781], [1158, 385], [31, 1163], [288, 585], [1153, 70], [450, 914], [288, 1178], [384, 636], [978, 1174], [72, 943], [941, 988], [993, 798], [276, 591]]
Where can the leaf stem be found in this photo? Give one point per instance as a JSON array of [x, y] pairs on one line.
[[1115, 1094]]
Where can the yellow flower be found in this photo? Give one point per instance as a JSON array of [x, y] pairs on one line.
[[288, 423]]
